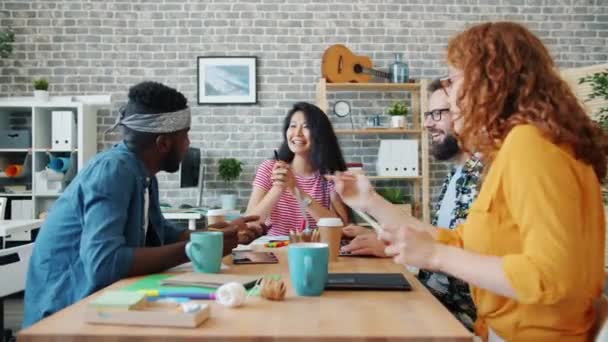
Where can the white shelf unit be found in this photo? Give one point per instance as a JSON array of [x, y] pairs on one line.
[[36, 116], [419, 103]]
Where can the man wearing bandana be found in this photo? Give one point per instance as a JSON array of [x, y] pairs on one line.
[[107, 224]]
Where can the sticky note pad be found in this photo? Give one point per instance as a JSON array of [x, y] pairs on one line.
[[118, 300]]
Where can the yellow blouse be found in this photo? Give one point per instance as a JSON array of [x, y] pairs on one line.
[[541, 210]]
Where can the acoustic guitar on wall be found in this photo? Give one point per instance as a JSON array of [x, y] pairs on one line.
[[340, 65]]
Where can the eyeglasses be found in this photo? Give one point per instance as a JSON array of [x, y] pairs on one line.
[[436, 114]]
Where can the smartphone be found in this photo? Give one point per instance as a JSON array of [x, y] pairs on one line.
[[250, 257]]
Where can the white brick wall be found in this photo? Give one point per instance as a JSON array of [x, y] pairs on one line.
[[93, 46]]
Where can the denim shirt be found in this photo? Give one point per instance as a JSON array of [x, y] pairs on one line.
[[87, 241]]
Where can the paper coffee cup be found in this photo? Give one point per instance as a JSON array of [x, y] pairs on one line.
[[215, 216], [330, 229]]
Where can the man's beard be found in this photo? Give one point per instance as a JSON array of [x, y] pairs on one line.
[[170, 162], [447, 149]]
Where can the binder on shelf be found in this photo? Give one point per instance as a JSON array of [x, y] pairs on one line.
[[405, 154], [63, 130], [398, 158], [21, 210], [383, 164]]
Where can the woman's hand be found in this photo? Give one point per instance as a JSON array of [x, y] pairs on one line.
[[282, 176], [409, 245], [366, 244], [353, 230], [356, 190]]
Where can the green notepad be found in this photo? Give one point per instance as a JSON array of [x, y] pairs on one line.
[[117, 300], [152, 282]]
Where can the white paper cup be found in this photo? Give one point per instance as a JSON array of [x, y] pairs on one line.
[[330, 229], [215, 216]]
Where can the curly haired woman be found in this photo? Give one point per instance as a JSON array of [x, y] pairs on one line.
[[532, 246]]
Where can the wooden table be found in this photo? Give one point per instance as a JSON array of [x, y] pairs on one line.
[[334, 316]]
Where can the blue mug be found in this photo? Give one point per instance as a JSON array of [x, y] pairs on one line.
[[205, 250], [308, 267], [59, 164]]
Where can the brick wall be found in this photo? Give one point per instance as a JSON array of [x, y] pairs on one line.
[[92, 47]]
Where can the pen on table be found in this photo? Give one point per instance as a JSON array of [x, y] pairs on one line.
[[190, 295]]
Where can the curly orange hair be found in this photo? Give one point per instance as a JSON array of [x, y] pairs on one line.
[[509, 79]]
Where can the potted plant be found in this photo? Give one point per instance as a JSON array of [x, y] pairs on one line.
[[229, 170], [397, 197], [41, 87], [397, 111], [599, 91]]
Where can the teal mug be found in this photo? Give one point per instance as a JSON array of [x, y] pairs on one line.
[[205, 250], [308, 267]]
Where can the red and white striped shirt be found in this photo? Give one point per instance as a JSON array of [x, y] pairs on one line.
[[285, 216]]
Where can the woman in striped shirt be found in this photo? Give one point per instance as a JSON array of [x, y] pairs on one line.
[[309, 150]]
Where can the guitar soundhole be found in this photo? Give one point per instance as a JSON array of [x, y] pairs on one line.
[[358, 68]]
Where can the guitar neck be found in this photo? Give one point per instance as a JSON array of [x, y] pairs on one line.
[[377, 73]]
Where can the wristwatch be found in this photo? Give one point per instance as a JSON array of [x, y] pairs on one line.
[[307, 201]]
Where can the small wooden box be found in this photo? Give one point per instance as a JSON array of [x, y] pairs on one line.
[[150, 314]]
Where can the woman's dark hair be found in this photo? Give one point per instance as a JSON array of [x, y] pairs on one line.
[[149, 98], [325, 153]]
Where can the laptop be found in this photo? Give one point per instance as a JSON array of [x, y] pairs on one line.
[[367, 281]]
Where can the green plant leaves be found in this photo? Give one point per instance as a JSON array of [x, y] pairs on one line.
[[397, 108], [229, 169]]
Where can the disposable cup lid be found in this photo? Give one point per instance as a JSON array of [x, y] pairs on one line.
[[330, 222], [216, 212]]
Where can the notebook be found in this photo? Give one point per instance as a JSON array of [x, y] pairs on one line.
[[367, 281], [118, 300], [213, 280]]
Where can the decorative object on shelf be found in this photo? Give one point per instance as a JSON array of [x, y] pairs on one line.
[[342, 109], [19, 170], [226, 80], [229, 170], [41, 89], [397, 111], [49, 181], [399, 70], [15, 189], [374, 121], [339, 65], [15, 138], [59, 164], [7, 38]]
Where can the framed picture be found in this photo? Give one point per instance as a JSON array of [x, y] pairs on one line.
[[227, 80]]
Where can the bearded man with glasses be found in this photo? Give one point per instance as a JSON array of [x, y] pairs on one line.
[[458, 191]]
